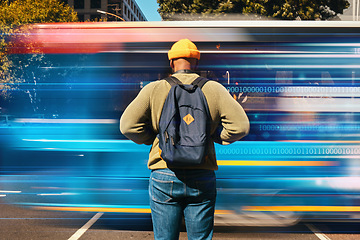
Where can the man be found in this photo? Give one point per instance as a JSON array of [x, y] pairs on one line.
[[177, 192]]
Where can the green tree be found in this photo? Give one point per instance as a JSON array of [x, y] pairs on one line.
[[280, 9], [16, 16]]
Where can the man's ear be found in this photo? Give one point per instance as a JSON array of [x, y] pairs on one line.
[[172, 63]]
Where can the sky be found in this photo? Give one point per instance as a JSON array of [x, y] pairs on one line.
[[149, 8]]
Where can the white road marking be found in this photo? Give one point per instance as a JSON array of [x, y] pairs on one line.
[[3, 195], [6, 191], [84, 228], [316, 231]]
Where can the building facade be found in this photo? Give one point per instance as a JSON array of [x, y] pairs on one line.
[[112, 10]]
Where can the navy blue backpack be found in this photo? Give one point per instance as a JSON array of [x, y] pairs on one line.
[[184, 127]]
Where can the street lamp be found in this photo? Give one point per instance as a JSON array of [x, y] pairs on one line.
[[111, 14]]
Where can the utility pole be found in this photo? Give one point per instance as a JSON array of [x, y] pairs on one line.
[[356, 10]]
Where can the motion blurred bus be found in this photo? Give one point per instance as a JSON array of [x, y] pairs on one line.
[[298, 81]]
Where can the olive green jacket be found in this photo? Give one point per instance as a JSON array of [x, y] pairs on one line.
[[140, 120]]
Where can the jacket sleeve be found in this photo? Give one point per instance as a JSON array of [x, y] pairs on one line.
[[135, 122], [234, 123]]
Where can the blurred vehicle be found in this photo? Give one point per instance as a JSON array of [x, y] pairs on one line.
[[299, 83]]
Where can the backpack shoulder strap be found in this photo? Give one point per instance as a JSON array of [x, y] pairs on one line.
[[200, 81], [173, 81]]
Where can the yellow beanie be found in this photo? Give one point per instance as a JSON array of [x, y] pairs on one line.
[[184, 48]]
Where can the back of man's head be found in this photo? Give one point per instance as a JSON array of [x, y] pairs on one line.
[[184, 48]]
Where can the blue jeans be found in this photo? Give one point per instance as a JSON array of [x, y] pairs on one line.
[[180, 192]]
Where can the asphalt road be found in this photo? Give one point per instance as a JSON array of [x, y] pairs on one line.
[[22, 223]]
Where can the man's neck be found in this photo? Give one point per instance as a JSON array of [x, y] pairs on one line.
[[184, 71]]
